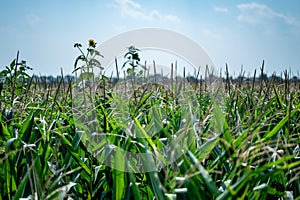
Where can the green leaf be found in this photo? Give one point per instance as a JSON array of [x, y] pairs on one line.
[[81, 57], [278, 98], [21, 187], [219, 120], [143, 100], [13, 64], [209, 183], [75, 142], [61, 192], [5, 132], [155, 183], [9, 144], [282, 161], [221, 124], [232, 190], [280, 125], [150, 141], [75, 155], [266, 188], [26, 129], [134, 186], [206, 148], [119, 186], [86, 76], [10, 176]]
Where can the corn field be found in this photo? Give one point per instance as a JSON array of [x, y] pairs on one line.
[[247, 146]]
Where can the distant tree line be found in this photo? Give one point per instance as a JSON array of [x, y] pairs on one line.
[[158, 77], [264, 77]]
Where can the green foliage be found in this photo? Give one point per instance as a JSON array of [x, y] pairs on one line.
[[133, 60], [14, 80], [89, 61], [248, 145]]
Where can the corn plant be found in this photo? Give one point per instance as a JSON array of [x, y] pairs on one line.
[[245, 147]]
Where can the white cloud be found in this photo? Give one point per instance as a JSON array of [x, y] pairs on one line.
[[221, 9], [130, 8], [254, 13]]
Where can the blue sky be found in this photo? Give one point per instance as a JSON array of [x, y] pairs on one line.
[[232, 31]]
